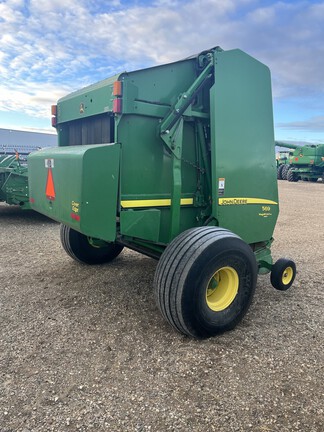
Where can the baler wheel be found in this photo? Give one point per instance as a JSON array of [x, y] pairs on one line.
[[283, 274], [78, 247], [205, 281]]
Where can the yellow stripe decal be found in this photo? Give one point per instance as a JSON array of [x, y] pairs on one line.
[[244, 201], [153, 203]]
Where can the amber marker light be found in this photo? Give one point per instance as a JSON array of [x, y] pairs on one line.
[[117, 88], [54, 115]]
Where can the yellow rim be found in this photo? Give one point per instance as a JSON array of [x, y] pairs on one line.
[[91, 243], [222, 289], [287, 275]]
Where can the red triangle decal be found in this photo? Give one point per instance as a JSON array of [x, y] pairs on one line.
[[50, 189]]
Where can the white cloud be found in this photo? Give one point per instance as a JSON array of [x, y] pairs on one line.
[[315, 124], [53, 47], [263, 16], [30, 99]]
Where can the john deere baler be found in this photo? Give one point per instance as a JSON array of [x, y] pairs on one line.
[[177, 162]]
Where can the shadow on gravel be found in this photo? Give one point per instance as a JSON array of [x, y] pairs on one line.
[[115, 296], [15, 214]]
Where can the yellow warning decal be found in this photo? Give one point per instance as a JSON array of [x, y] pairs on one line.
[[75, 206], [244, 201], [154, 203]]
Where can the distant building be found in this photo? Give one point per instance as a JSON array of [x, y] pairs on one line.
[[24, 142]]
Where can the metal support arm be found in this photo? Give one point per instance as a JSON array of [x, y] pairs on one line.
[[169, 125], [171, 132]]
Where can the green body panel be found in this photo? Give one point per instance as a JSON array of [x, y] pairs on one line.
[[190, 136], [143, 224], [263, 257], [308, 156], [243, 153], [89, 101], [151, 92], [13, 181], [85, 195], [146, 171]]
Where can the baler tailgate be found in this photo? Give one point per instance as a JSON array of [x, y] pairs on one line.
[[78, 186]]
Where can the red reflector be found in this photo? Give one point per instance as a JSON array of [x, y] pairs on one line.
[[31, 200], [117, 89], [296, 158], [75, 216], [54, 121], [117, 106], [50, 190]]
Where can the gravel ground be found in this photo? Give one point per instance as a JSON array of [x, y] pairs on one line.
[[85, 348]]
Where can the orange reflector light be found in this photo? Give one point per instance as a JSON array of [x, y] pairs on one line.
[[54, 114], [117, 106], [50, 190], [117, 89]]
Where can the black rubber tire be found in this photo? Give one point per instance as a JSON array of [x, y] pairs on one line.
[[292, 176], [279, 172], [278, 272], [313, 180], [284, 172], [77, 246], [182, 277]]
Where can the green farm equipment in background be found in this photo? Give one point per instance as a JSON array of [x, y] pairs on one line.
[[304, 162], [283, 159], [307, 163], [14, 181], [177, 162]]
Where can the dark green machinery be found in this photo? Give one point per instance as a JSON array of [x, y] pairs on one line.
[[306, 163], [13, 181], [282, 158], [283, 162], [176, 162]]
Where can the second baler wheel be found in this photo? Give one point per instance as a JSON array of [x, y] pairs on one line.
[[283, 274], [79, 247]]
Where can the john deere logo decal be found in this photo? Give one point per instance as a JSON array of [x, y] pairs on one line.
[[81, 108]]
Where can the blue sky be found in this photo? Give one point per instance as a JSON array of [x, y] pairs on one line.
[[49, 48]]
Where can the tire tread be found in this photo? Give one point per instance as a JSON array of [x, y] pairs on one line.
[[171, 271]]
